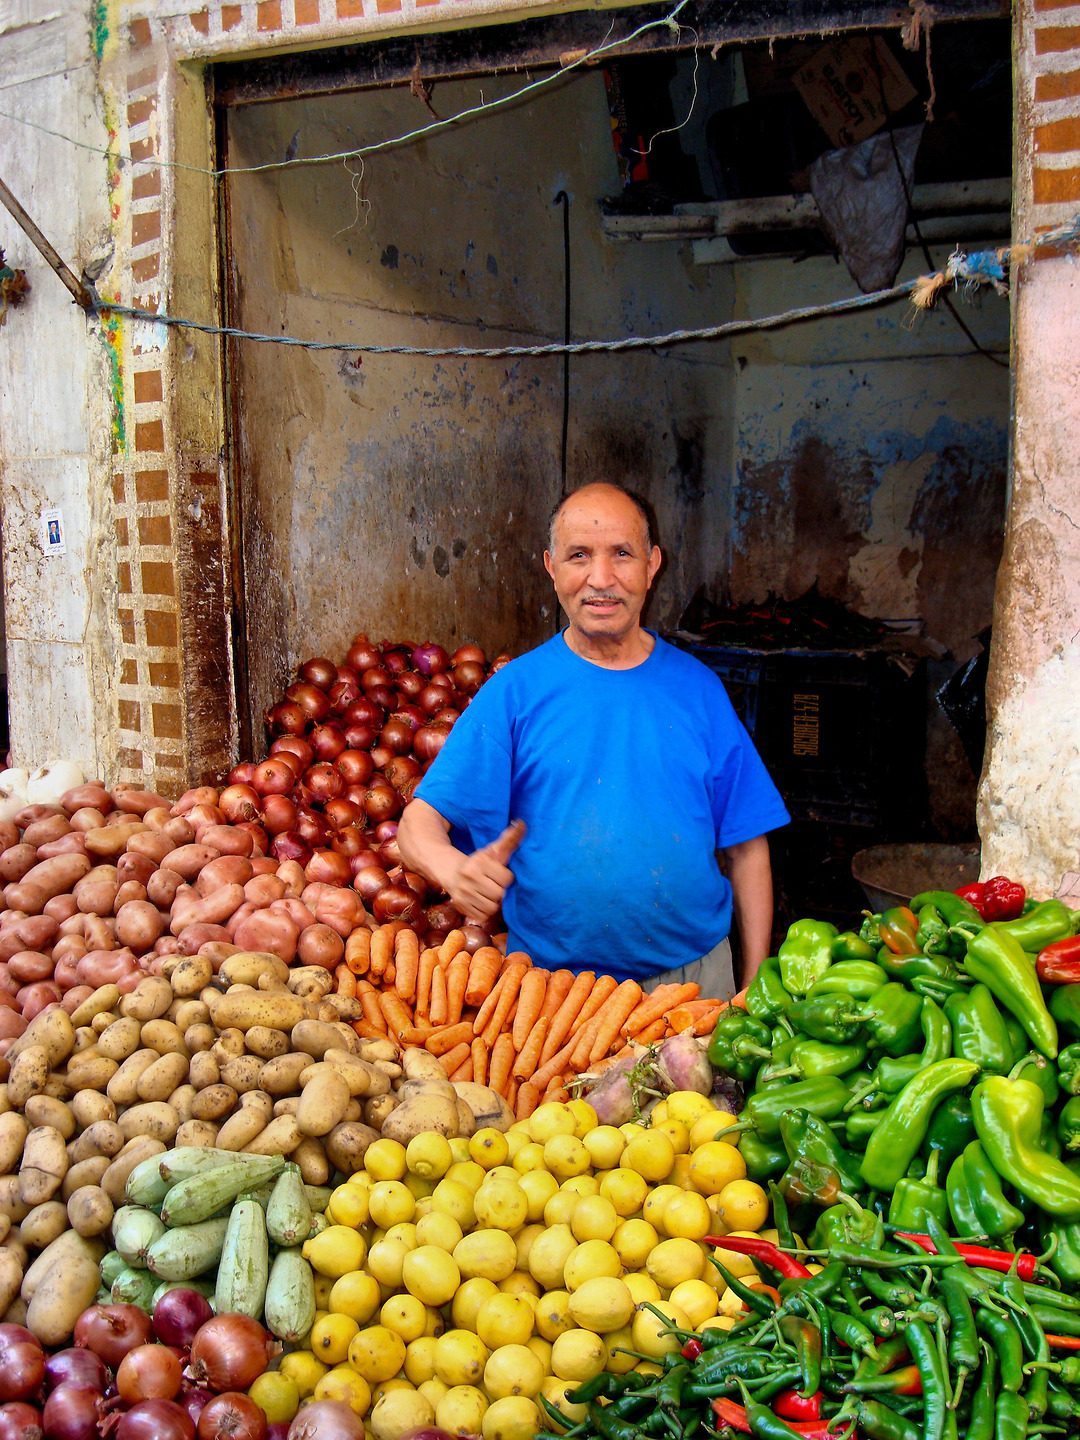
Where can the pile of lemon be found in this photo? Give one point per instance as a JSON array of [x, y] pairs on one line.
[[461, 1280]]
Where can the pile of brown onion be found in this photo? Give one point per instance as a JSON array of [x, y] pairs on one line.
[[349, 745]]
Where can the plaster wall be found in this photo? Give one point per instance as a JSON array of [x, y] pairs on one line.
[[408, 496]]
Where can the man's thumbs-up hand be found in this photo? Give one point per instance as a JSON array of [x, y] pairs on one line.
[[483, 877]]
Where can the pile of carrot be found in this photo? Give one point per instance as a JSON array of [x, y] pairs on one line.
[[501, 1021]]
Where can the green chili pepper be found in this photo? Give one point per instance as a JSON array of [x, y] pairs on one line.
[[834, 1019], [852, 1332], [980, 1424], [978, 1030], [1069, 1065], [858, 979], [1040, 926], [1040, 1072], [964, 1349], [839, 1225], [808, 1138], [896, 1141], [878, 1422], [965, 1217], [1008, 1117], [995, 1214], [739, 1044], [1004, 1339], [1065, 1261], [953, 909], [766, 998], [913, 1199], [997, 959], [910, 968], [752, 1299], [806, 1339], [859, 1125], [807, 1059], [1062, 1405], [932, 936], [825, 1097], [806, 954], [1065, 1008], [763, 1158], [895, 1024], [935, 1392], [1010, 1417], [951, 1128], [849, 945]]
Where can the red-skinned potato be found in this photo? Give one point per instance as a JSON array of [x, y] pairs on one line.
[[87, 818], [41, 832], [70, 844], [151, 843], [74, 995], [16, 861], [138, 925], [66, 973], [227, 869], [99, 932], [264, 890], [9, 834], [263, 865], [61, 908], [319, 945], [342, 910], [107, 967], [29, 813], [218, 951], [200, 795], [136, 801], [27, 966], [213, 909], [133, 866], [227, 839], [51, 877], [274, 933], [291, 874], [35, 932], [296, 910], [35, 998], [93, 795], [188, 860], [179, 831], [128, 891], [12, 1024], [163, 887], [193, 937], [72, 947]]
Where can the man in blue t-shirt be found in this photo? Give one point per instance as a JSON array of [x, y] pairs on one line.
[[590, 784]]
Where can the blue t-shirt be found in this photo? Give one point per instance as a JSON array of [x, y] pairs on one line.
[[628, 781]]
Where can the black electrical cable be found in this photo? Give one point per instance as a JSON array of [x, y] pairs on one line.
[[563, 199]]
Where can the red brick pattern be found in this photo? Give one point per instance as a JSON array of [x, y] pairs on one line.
[[1048, 179]]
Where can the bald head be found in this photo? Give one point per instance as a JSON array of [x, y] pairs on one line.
[[601, 490]]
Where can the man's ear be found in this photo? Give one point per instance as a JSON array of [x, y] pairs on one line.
[[656, 559], [548, 566]]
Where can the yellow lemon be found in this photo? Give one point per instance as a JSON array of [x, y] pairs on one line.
[[501, 1205], [687, 1106], [549, 1254], [391, 1203], [680, 1172], [708, 1126], [276, 1395], [565, 1155], [642, 1287], [715, 1207], [405, 1232], [581, 1185], [489, 1147], [460, 1358], [585, 1117], [429, 1155], [459, 1148], [744, 1205], [529, 1157], [699, 1300], [504, 1320], [524, 1240], [405, 1315], [633, 1241], [344, 1384], [520, 1282], [335, 1251], [632, 1130], [438, 1228], [431, 1275], [594, 1218], [555, 1391], [626, 1190], [601, 1304], [714, 1165], [330, 1338], [452, 1198], [718, 1322], [355, 1295], [541, 1348], [348, 1205], [731, 1304], [552, 1316], [688, 1216], [605, 1144], [515, 1140], [461, 1410], [399, 1412], [559, 1210], [385, 1160], [655, 1204], [648, 1329], [578, 1355], [619, 1343], [677, 1133], [539, 1187], [323, 1285], [551, 1118], [303, 1369], [673, 1261], [491, 1253], [385, 1260], [420, 1359], [513, 1370], [739, 1265], [376, 1353], [651, 1154], [433, 1390], [514, 1417], [595, 1257], [466, 1303], [467, 1173], [418, 1187]]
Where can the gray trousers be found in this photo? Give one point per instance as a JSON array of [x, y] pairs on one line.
[[714, 972]]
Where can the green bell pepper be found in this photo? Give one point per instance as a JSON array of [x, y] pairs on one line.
[[910, 968], [1069, 1069], [1008, 1120], [913, 1200], [1068, 1125], [953, 909], [893, 1019], [764, 1159], [766, 998], [1038, 1069], [1018, 1036], [965, 1221], [1044, 923], [855, 978], [842, 1225], [932, 936], [1065, 1008], [997, 1215], [978, 1030], [835, 1019], [1065, 1261], [859, 1125], [996, 959], [806, 1059], [806, 954], [808, 1138], [951, 1128], [825, 1097], [849, 945], [739, 1044], [897, 1140], [893, 1072]]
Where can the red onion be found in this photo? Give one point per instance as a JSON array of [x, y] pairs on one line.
[[19, 1421], [312, 826], [179, 1314], [360, 736], [396, 659], [328, 867], [430, 659], [231, 1416], [469, 676], [112, 1330], [397, 736], [442, 918], [382, 802], [341, 813], [155, 1420], [312, 701], [350, 841], [279, 813], [446, 716], [78, 1367], [343, 692], [149, 1372], [326, 1420], [475, 937], [468, 652], [229, 1352], [71, 1412], [383, 695], [327, 741], [294, 745], [389, 852], [394, 902], [296, 763], [401, 769], [240, 802], [241, 774], [290, 845], [431, 698], [319, 671], [364, 711], [429, 740], [274, 777], [362, 654], [22, 1363], [409, 684], [286, 718], [355, 766], [375, 677], [322, 782], [369, 882]]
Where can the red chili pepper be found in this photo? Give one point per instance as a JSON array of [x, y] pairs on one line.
[[1059, 962], [792, 1406], [729, 1413], [1026, 1264], [692, 1350], [1063, 1342], [998, 898], [763, 1250]]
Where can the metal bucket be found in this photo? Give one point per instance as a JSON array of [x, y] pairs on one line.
[[892, 874]]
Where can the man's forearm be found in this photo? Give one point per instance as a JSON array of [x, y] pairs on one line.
[[424, 840], [750, 872]]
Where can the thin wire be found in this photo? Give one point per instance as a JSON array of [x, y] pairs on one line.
[[378, 145], [672, 129], [505, 352]]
